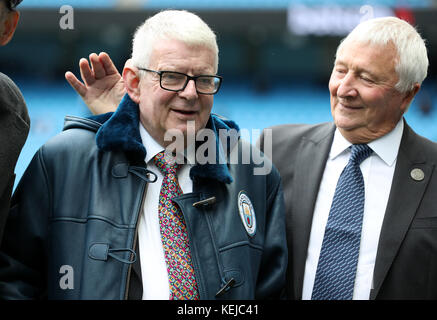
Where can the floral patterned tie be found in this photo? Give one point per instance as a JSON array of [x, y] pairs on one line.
[[182, 280]]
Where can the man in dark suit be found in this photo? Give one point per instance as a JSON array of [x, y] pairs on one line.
[[14, 119], [378, 70]]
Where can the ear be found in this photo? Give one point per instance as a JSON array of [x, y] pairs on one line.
[[132, 82], [9, 26], [409, 96]]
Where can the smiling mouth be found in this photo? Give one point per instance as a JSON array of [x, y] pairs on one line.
[[349, 106], [185, 112]]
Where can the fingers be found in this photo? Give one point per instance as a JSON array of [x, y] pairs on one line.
[[97, 67], [75, 83], [85, 72], [107, 64]]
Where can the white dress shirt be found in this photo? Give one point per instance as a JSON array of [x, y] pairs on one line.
[[153, 266], [378, 172]]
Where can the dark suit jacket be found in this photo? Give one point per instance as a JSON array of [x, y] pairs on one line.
[[406, 261], [14, 127]]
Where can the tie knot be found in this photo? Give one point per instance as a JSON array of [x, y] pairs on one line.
[[165, 163], [360, 152]]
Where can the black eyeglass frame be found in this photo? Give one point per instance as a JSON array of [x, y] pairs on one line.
[[186, 82]]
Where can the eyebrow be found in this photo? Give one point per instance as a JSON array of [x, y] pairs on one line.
[[357, 70], [172, 67]]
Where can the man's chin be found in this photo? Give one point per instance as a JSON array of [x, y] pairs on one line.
[[345, 123], [181, 135]]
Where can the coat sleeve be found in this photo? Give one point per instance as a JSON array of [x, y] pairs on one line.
[[14, 127], [23, 249], [271, 279]]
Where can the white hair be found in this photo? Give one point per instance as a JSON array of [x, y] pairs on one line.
[[175, 25], [412, 63]]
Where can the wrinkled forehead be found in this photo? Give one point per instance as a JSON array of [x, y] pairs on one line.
[[375, 51], [171, 52], [378, 61]]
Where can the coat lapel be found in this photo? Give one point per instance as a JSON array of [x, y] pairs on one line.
[[405, 196], [310, 164]]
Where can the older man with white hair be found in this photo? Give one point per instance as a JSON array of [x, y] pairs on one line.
[[361, 215]]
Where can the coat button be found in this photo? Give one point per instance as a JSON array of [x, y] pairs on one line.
[[417, 174]]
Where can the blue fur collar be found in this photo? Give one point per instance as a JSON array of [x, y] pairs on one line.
[[120, 131]]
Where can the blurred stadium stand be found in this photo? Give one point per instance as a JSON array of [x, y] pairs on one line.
[[275, 56]]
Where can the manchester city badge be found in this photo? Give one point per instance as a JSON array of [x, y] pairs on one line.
[[247, 213]]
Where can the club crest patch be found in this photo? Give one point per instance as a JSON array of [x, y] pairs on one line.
[[247, 213]]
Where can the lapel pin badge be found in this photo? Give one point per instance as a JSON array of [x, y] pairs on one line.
[[417, 174]]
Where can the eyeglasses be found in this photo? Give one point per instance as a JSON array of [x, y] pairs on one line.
[[177, 81], [11, 4]]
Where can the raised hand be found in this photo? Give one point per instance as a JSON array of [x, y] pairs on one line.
[[102, 88]]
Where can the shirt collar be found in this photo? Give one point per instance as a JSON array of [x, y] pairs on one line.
[[386, 147], [153, 147]]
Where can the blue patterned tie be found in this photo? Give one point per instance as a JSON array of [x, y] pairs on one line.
[[335, 275]]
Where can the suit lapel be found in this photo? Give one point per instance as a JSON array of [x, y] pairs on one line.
[[405, 196], [310, 164]]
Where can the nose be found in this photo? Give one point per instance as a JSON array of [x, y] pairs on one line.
[[346, 86], [190, 91]]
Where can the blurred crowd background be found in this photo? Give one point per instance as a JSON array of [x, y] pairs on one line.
[[275, 56]]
